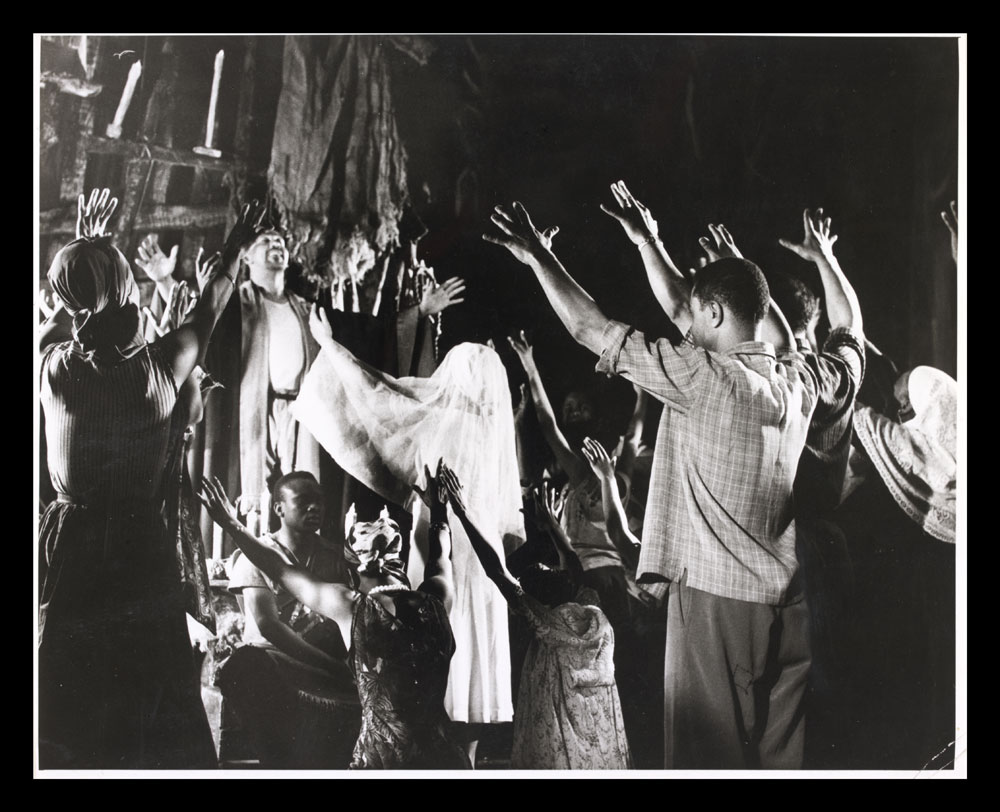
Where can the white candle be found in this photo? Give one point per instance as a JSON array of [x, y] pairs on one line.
[[114, 129], [213, 100]]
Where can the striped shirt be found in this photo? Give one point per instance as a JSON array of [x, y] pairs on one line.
[[107, 425], [719, 514]]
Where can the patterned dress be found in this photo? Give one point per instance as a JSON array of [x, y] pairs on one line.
[[568, 715], [401, 665], [117, 686]]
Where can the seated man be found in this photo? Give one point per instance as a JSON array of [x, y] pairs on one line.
[[289, 683]]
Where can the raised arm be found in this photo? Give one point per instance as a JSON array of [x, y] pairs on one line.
[[842, 307], [574, 467], [574, 307], [775, 329], [550, 505], [439, 579], [633, 434], [185, 346], [492, 565], [614, 511], [334, 601], [670, 287]]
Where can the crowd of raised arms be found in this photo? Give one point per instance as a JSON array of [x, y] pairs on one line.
[[767, 584]]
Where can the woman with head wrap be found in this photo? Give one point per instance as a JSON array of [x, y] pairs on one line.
[[117, 684], [400, 639], [899, 523]]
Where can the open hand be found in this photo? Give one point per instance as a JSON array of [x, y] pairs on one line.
[[951, 220], [434, 494], [213, 497], [157, 265], [600, 463], [245, 231], [817, 241], [523, 348], [92, 216], [319, 325], [518, 234], [454, 487], [720, 245], [439, 297], [205, 269], [549, 504], [633, 216]]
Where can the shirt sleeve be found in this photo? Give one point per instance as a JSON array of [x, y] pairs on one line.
[[666, 370], [244, 574], [839, 370]]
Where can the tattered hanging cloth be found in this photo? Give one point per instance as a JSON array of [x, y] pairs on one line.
[[338, 167]]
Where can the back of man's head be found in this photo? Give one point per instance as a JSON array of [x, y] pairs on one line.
[[736, 284], [796, 299]]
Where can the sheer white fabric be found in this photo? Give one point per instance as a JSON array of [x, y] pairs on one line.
[[383, 430]]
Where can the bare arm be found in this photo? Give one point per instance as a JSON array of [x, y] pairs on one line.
[[492, 565], [439, 579], [260, 604], [670, 287], [573, 306], [549, 505], [184, 347], [334, 601], [842, 306], [574, 467], [614, 511]]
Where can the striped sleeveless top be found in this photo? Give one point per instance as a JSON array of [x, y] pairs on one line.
[[107, 425]]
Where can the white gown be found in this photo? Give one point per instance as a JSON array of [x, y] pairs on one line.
[[383, 430]]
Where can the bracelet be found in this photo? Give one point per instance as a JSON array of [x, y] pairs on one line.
[[440, 526], [653, 239]]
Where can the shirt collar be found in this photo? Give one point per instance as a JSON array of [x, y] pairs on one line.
[[752, 348]]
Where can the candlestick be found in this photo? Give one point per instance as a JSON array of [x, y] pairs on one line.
[[208, 149], [114, 129]]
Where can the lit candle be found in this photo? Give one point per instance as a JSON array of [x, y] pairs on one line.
[[212, 103], [114, 129]]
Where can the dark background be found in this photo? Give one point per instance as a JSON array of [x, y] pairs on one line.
[[742, 130], [747, 131]]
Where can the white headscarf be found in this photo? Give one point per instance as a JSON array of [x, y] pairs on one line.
[[916, 459]]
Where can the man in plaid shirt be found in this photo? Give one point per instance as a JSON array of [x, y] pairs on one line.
[[719, 536]]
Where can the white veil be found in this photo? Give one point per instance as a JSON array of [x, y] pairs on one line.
[[383, 430]]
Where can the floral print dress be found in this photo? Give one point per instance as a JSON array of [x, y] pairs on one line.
[[568, 715]]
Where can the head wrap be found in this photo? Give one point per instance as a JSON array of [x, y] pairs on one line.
[[916, 459], [95, 283], [373, 547]]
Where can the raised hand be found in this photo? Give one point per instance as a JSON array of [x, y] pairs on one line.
[[92, 216], [205, 269], [158, 266], [720, 245], [245, 231], [632, 215], [440, 297], [523, 348], [435, 493], [548, 235], [600, 463], [550, 504], [454, 488], [817, 241], [518, 234], [951, 220], [213, 497], [319, 325]]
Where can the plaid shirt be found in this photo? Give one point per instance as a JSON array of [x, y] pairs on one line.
[[720, 509]]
